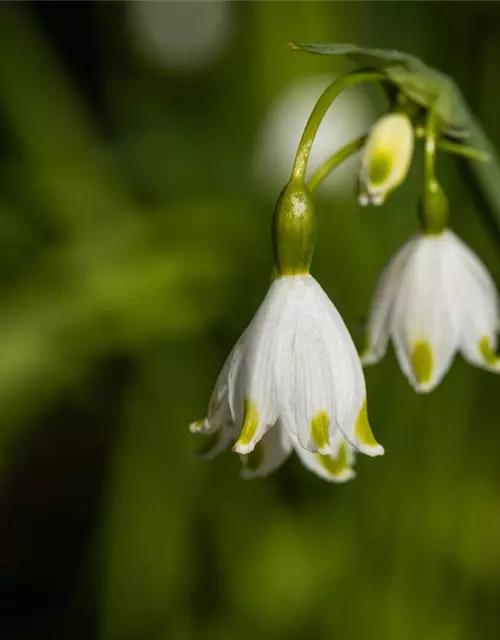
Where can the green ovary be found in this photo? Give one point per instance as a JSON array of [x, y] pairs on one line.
[[293, 230]]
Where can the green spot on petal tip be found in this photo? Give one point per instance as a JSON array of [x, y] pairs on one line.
[[362, 429], [250, 424], [422, 362], [335, 466], [319, 429], [486, 350]]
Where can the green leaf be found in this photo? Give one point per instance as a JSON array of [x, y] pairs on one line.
[[423, 84]]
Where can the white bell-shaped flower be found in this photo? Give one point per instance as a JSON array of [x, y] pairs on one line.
[[275, 446], [435, 297], [295, 364], [386, 157]]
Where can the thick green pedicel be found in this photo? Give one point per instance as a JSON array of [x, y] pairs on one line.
[[422, 362], [335, 466], [319, 429], [293, 230], [362, 430], [433, 210], [486, 350], [250, 423]]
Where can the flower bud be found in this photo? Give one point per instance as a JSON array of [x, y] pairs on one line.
[[386, 157], [293, 230]]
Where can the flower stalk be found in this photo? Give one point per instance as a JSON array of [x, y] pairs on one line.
[[433, 210], [319, 112], [324, 170]]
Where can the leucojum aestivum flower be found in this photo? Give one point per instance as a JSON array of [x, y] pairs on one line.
[[294, 381]]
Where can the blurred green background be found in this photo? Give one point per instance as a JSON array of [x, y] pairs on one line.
[[142, 147]]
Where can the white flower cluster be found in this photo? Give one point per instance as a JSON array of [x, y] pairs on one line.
[[294, 381]]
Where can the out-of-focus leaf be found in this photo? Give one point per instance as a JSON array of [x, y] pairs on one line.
[[421, 83]]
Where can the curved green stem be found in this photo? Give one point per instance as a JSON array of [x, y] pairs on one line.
[[319, 112], [333, 162]]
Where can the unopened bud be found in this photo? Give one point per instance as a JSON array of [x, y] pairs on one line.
[[386, 157]]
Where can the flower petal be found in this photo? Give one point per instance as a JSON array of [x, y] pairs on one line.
[[216, 442], [304, 372], [335, 467], [348, 385], [219, 411], [253, 393], [424, 322], [269, 454], [477, 305], [473, 264], [377, 331]]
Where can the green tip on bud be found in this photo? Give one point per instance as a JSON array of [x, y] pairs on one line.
[[386, 157], [433, 211], [293, 230]]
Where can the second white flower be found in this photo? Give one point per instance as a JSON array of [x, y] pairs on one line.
[[435, 297]]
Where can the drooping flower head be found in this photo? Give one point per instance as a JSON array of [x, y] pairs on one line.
[[295, 370], [434, 298]]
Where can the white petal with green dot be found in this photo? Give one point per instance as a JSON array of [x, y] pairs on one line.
[[335, 467], [386, 157], [253, 397], [349, 390], [304, 369], [424, 328]]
